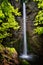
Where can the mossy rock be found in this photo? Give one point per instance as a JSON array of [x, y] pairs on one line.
[[8, 55], [11, 50]]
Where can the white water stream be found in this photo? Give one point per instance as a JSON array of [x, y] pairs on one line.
[[30, 57], [24, 29]]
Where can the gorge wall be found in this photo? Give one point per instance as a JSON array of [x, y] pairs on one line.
[[35, 40]]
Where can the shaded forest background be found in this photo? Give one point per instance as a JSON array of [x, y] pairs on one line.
[[10, 44]]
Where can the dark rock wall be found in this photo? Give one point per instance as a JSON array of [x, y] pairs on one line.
[[35, 40]]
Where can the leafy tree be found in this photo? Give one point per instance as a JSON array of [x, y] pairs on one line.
[[7, 18], [39, 18]]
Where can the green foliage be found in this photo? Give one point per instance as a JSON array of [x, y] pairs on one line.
[[8, 24], [39, 18], [7, 19], [40, 3], [39, 30], [11, 50], [24, 62]]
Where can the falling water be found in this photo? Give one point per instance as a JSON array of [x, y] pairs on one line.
[[24, 29], [24, 55], [30, 57]]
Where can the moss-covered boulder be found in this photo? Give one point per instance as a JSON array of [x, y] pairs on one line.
[[8, 56]]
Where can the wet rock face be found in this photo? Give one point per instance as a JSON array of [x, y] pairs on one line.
[[35, 41], [31, 11]]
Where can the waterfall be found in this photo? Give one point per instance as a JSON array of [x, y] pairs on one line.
[[30, 57], [24, 29]]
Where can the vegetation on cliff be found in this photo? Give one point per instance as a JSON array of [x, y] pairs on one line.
[[39, 17], [9, 27], [8, 23]]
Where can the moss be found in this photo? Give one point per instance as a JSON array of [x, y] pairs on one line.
[[24, 62], [11, 50], [7, 54]]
